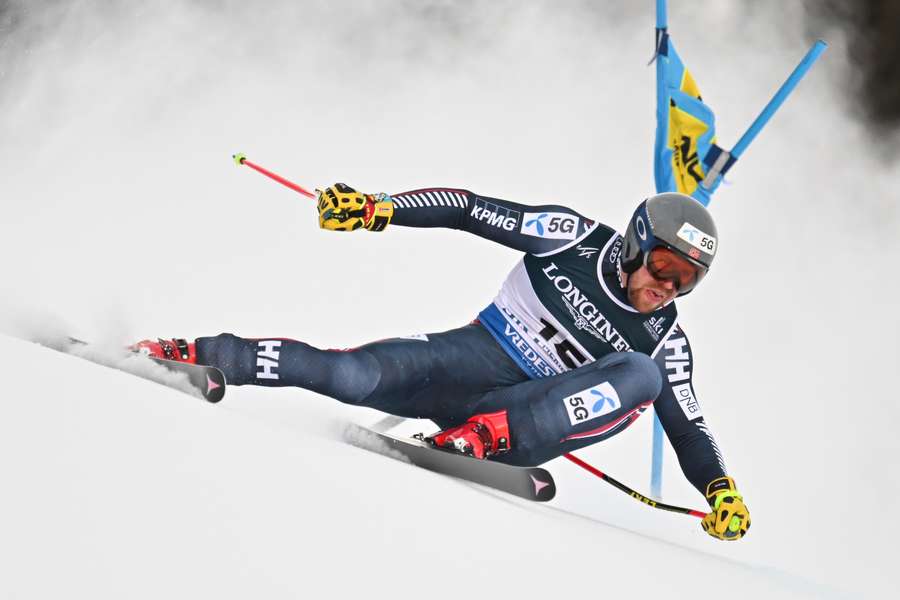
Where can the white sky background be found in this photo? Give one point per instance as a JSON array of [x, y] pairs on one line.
[[123, 217]]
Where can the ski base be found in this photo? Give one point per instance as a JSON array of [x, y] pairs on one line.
[[531, 483]]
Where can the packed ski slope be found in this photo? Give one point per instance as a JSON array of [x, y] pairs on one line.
[[118, 487], [123, 217]]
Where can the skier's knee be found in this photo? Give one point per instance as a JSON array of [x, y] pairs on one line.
[[646, 374], [355, 376], [636, 376]]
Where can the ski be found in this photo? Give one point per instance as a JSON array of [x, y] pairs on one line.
[[208, 381], [531, 483]]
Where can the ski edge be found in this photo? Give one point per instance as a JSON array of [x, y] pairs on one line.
[[531, 483]]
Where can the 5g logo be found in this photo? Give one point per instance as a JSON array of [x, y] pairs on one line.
[[601, 399], [697, 238], [554, 226], [578, 410]]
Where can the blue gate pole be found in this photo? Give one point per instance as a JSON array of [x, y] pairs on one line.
[[778, 99], [656, 459], [656, 452]]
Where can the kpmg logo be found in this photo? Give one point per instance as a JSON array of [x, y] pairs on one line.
[[596, 401], [495, 215], [554, 226], [654, 326], [585, 314]]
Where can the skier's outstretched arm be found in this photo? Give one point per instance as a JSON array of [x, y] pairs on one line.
[[696, 448], [533, 229]]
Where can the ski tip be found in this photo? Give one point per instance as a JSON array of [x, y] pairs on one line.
[[215, 385], [239, 158], [544, 485]]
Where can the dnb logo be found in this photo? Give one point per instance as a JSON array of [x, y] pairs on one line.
[[553, 226], [591, 403]]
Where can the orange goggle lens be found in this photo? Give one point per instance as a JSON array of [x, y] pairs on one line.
[[665, 265]]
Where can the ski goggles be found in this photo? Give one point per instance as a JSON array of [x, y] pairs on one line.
[[664, 264]]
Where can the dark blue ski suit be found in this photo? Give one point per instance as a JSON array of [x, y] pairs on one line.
[[560, 348]]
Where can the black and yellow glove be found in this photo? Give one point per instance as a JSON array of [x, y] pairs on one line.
[[730, 518], [341, 208]]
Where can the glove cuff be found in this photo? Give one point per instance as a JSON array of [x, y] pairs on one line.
[[379, 211], [720, 488]]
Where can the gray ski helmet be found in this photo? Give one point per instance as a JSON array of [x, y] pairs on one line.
[[675, 221]]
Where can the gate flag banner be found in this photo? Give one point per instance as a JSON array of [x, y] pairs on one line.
[[686, 157], [685, 128]]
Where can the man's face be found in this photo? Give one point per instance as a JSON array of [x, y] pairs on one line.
[[646, 294], [663, 275]]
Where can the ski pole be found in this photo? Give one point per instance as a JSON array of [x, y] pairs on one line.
[[241, 159], [631, 492]]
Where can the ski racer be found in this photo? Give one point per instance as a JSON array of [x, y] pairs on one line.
[[582, 337]]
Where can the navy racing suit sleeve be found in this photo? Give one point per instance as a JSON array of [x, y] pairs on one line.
[[681, 416], [532, 229]]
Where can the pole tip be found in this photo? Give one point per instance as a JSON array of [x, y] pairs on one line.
[[239, 158]]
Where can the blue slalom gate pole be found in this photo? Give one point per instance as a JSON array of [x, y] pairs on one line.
[[778, 99], [719, 162], [656, 452], [656, 458]]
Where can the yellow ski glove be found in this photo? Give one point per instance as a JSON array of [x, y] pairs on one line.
[[730, 518], [341, 208]]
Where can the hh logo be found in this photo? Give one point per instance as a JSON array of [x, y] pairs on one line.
[[678, 360], [591, 403], [267, 359]]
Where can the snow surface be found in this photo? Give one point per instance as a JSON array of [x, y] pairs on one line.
[[123, 217], [118, 487]]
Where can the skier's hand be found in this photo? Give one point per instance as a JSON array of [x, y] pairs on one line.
[[341, 208], [730, 518]]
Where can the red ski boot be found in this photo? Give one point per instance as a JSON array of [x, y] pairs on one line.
[[481, 436], [174, 349]]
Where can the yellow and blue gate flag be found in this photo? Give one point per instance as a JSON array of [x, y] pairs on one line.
[[686, 157], [685, 128]]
